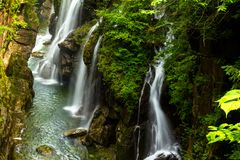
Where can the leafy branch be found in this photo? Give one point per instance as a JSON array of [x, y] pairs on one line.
[[226, 132]]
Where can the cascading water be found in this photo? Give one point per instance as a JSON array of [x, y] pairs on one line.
[[161, 139], [159, 135], [68, 19], [84, 102], [92, 97]]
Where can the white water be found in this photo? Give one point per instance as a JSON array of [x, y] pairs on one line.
[[68, 19], [43, 37], [83, 102], [160, 128], [161, 139]]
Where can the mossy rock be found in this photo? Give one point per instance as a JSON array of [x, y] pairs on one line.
[[46, 150], [102, 153]]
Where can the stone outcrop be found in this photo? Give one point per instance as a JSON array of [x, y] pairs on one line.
[[68, 56]]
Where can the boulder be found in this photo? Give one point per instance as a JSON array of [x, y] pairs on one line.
[[164, 155], [38, 54], [75, 132], [46, 150]]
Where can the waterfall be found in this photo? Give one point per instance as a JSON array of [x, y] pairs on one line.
[[84, 100], [160, 137], [67, 21]]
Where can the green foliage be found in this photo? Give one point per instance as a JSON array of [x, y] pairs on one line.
[[14, 8], [129, 39], [233, 71], [224, 5], [226, 132], [235, 152], [180, 69], [4, 86]]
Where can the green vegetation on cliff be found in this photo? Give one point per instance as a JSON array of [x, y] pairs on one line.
[[206, 38], [17, 14], [128, 47]]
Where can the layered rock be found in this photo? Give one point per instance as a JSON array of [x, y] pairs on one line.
[[16, 81]]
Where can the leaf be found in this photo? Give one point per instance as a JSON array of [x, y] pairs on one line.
[[222, 8], [230, 101], [225, 132], [212, 128], [215, 136]]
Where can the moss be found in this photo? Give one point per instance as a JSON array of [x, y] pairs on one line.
[[80, 33]]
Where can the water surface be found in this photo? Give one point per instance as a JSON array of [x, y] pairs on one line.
[[45, 123]]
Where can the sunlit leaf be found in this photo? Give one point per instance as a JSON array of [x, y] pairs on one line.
[[221, 8], [212, 128], [230, 101]]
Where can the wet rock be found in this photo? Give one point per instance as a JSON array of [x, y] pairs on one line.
[[47, 42], [46, 150], [46, 9], [66, 62], [75, 132], [38, 54], [25, 37], [69, 45], [125, 141], [164, 155], [53, 24], [101, 130], [68, 54]]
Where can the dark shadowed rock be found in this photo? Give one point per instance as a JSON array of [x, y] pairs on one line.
[[102, 131], [53, 24]]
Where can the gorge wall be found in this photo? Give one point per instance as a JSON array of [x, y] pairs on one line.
[[16, 93]]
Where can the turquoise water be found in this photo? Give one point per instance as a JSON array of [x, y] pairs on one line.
[[45, 123]]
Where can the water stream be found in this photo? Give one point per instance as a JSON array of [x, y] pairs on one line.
[[159, 135], [45, 123]]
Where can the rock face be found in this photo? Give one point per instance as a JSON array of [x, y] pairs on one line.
[[46, 9], [102, 128], [68, 54], [16, 82]]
